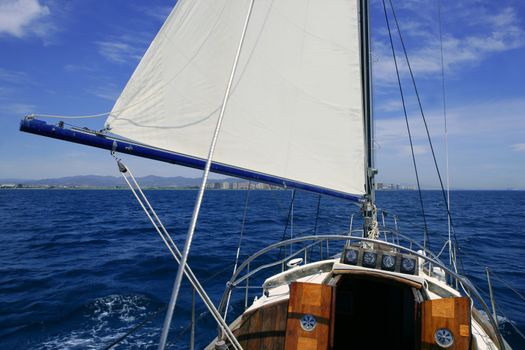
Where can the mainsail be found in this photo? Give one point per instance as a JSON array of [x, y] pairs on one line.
[[295, 109]]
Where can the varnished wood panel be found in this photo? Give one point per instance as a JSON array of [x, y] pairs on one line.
[[450, 313], [313, 299], [264, 328], [332, 321]]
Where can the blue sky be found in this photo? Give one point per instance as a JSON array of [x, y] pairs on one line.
[[74, 57]]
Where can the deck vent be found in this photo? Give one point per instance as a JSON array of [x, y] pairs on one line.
[[444, 338], [408, 265], [351, 256], [369, 259], [388, 262]]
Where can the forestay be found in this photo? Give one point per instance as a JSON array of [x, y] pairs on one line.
[[295, 109]]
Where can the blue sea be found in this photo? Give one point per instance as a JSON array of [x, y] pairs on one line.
[[81, 268]]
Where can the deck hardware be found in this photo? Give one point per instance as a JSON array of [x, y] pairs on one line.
[[294, 262], [369, 259], [408, 265], [308, 322], [444, 338], [388, 262], [350, 256]]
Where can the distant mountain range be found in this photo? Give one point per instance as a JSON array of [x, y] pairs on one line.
[[112, 181]]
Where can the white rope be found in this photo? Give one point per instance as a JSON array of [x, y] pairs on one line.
[[443, 248], [373, 231], [34, 115], [191, 230]]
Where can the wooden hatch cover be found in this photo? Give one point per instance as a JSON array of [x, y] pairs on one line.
[[445, 324], [309, 310]]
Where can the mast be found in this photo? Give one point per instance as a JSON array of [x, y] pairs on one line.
[[368, 208]]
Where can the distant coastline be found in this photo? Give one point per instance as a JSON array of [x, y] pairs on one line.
[[98, 182]]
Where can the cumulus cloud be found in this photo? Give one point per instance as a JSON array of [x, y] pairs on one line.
[[18, 17], [483, 32]]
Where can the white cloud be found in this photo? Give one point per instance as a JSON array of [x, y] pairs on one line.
[[482, 33], [11, 83], [126, 48], [18, 17], [108, 92], [157, 12], [16, 110], [491, 118], [418, 150], [501, 120], [119, 52], [482, 138], [519, 147], [72, 68], [389, 105], [13, 77]]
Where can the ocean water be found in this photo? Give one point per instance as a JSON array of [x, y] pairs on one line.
[[80, 268]]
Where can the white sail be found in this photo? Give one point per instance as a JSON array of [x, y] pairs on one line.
[[295, 110]]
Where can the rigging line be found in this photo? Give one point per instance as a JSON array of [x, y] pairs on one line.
[[187, 328], [428, 133], [198, 202], [425, 237], [203, 313], [143, 323], [442, 249], [174, 250], [291, 229], [502, 313], [316, 220], [446, 128], [508, 285], [277, 200], [317, 215], [246, 200], [286, 224], [516, 329]]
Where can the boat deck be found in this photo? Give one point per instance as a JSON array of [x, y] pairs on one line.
[[276, 295]]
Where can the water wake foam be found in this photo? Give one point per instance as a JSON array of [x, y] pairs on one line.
[[104, 320]]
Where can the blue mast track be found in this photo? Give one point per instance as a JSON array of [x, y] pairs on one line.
[[96, 139]]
